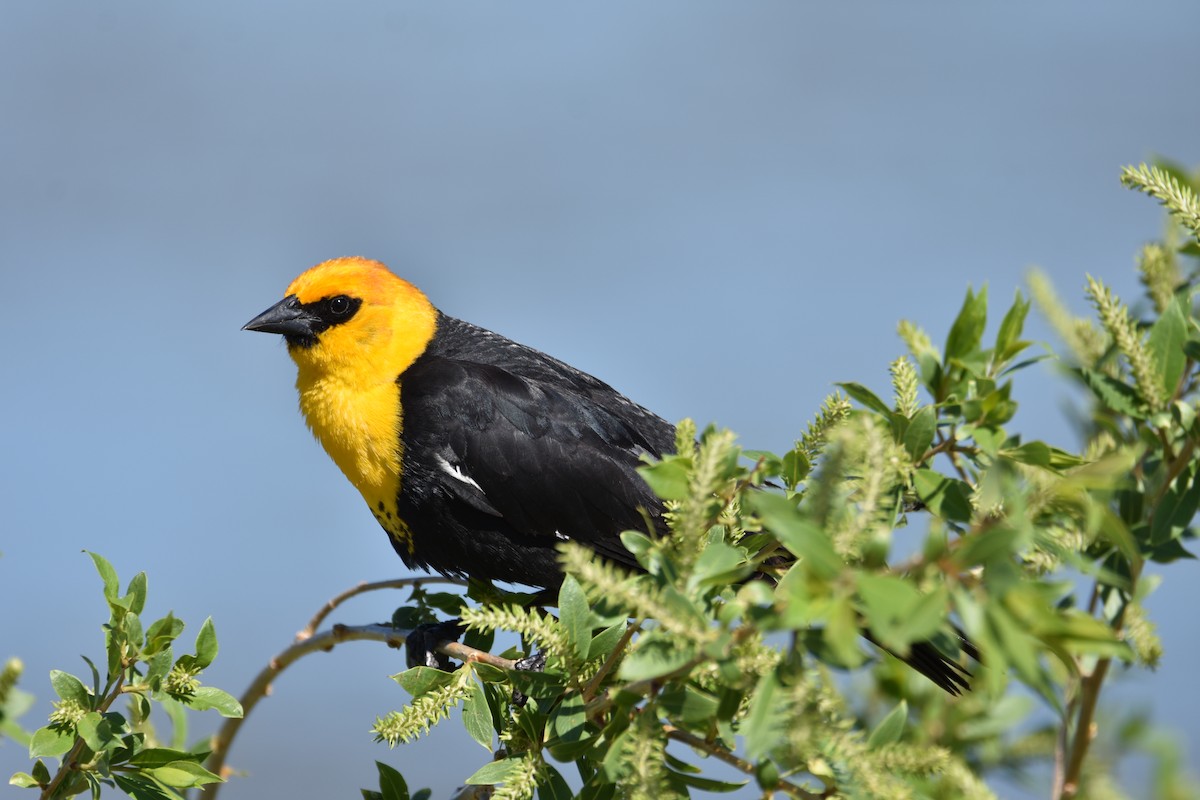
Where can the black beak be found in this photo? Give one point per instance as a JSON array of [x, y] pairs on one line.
[[286, 317]]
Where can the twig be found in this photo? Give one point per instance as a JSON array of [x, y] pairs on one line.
[[362, 588], [325, 641], [589, 691], [68, 764], [308, 641], [721, 754]]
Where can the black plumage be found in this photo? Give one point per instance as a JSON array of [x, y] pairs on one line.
[[505, 451]]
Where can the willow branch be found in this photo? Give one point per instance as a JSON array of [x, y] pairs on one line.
[[399, 583], [721, 754], [325, 641]]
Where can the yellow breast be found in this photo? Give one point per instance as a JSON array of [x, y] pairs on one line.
[[360, 430]]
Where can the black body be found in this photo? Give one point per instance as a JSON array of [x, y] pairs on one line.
[[506, 450]]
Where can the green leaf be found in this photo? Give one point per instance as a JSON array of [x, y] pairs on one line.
[[102, 732], [140, 788], [797, 534], [135, 595], [605, 642], [766, 719], [865, 396], [841, 634], [1177, 509], [49, 741], [569, 721], [477, 717], [1037, 454], [719, 565], [68, 687], [668, 478], [688, 705], [41, 773], [161, 633], [551, 785], [575, 616], [653, 658], [419, 680], [107, 574], [496, 772], [967, 331], [897, 613], [538, 685], [184, 775], [925, 618], [889, 730], [206, 644], [1167, 336], [1114, 394], [636, 542], [1020, 650], [949, 498], [921, 429], [796, 467], [23, 780], [1007, 344], [161, 756], [391, 783], [1171, 551], [223, 703]]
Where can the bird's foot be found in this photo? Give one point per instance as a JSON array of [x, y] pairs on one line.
[[533, 663], [420, 649]]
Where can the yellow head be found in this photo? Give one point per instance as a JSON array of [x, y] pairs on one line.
[[351, 320], [353, 327]]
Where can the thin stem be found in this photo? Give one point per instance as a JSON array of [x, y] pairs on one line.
[[325, 641], [721, 754], [589, 691], [362, 588], [70, 761]]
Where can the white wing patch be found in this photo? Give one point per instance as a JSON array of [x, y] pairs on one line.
[[454, 471]]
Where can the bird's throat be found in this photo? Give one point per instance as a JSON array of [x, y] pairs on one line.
[[359, 427]]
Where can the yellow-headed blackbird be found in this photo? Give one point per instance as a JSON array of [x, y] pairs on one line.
[[477, 454]]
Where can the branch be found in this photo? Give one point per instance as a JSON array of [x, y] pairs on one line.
[[69, 761], [721, 754], [308, 641], [325, 641], [362, 588]]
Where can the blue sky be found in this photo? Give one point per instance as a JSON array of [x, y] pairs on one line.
[[719, 208]]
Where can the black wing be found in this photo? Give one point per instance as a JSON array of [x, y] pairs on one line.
[[499, 466]]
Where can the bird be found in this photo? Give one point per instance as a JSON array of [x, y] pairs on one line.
[[476, 454]]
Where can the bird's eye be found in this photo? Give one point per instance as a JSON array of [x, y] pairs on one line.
[[339, 306]]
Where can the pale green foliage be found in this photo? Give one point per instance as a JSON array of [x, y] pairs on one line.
[[1179, 198], [834, 409], [543, 629], [521, 782], [1158, 270], [917, 341], [726, 638], [425, 711], [1114, 316], [1086, 342], [905, 384], [100, 747]]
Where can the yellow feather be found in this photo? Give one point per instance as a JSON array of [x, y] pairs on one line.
[[349, 393]]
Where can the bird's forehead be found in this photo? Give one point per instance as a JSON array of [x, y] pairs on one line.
[[358, 277]]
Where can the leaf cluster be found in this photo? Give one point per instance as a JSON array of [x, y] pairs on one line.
[[99, 746], [1027, 567]]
